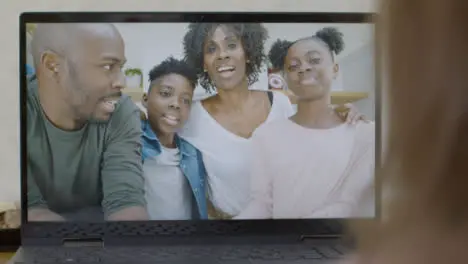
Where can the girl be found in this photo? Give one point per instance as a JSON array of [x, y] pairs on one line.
[[311, 165]]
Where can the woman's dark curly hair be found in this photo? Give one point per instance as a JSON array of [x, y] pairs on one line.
[[251, 35], [330, 36]]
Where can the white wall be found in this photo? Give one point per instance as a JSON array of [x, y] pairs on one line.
[[149, 44], [9, 101], [358, 69]]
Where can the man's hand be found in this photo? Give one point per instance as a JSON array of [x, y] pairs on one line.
[[349, 113], [134, 213], [43, 215], [143, 116]]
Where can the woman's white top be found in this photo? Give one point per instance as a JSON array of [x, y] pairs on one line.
[[227, 156]]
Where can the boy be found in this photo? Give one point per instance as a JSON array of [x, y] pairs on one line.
[[173, 168]]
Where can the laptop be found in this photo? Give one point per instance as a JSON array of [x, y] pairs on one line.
[[160, 171]]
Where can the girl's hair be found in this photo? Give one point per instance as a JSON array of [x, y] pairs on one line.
[[333, 38], [329, 36], [278, 52], [420, 45]]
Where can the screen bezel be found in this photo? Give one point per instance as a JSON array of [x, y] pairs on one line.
[[208, 228]]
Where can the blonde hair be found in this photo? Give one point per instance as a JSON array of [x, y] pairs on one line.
[[422, 46]]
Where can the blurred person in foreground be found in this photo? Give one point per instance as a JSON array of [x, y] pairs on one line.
[[425, 214]]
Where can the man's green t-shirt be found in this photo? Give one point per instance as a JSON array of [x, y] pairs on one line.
[[98, 166]]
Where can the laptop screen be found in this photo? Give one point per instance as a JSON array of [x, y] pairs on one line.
[[200, 121]]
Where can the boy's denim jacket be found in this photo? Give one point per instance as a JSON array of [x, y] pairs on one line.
[[191, 164]]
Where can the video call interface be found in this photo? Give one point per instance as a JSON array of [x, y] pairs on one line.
[[200, 121]]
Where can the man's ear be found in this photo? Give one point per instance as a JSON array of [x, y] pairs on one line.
[[51, 62], [144, 100]]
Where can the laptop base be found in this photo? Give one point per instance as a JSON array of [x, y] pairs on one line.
[[314, 251]]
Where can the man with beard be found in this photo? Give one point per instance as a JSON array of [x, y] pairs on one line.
[[83, 136]]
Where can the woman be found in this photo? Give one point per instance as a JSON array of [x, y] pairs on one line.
[[324, 164], [228, 59], [425, 168]]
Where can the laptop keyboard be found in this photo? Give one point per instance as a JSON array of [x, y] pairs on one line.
[[183, 254]]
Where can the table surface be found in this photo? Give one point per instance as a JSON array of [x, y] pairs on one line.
[[5, 256]]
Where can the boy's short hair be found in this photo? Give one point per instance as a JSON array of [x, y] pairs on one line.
[[172, 65]]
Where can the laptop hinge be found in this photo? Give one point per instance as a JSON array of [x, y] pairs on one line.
[[309, 237], [83, 242]]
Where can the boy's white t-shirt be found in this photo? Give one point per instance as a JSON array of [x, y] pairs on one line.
[[227, 156], [167, 190]]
